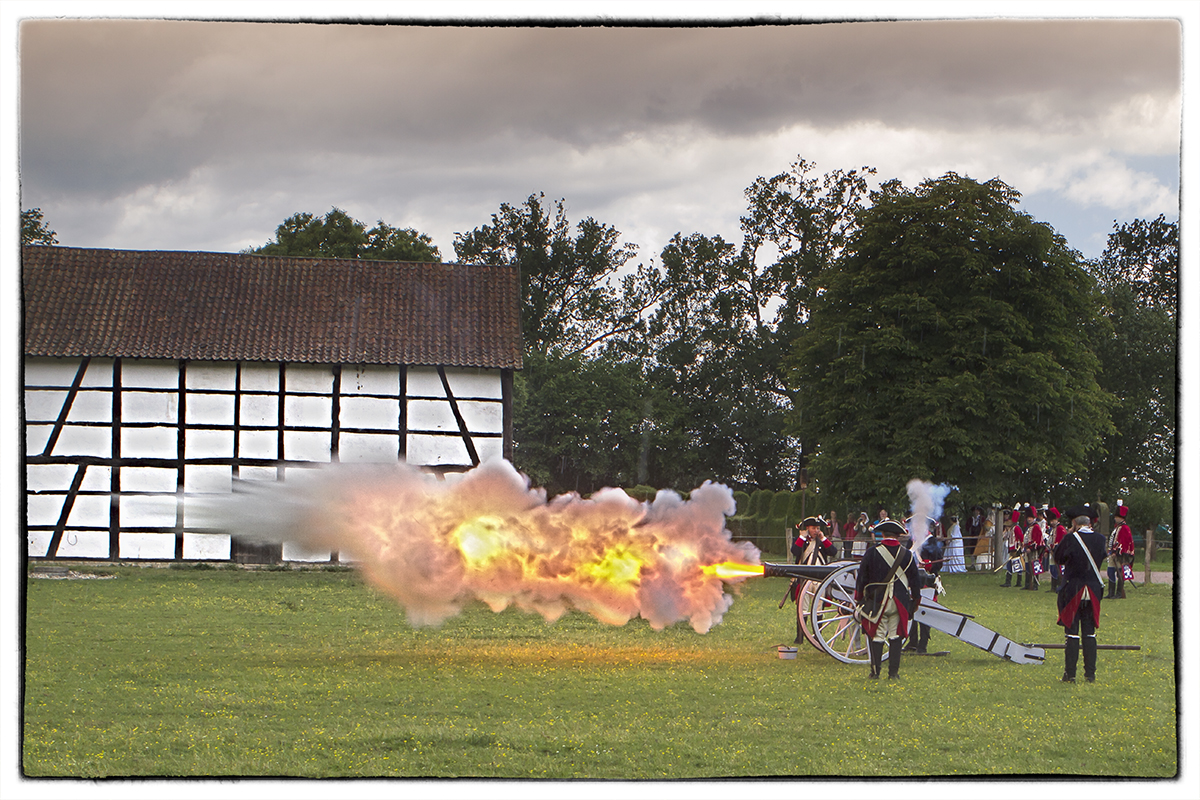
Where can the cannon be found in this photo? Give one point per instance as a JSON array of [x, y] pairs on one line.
[[826, 601]]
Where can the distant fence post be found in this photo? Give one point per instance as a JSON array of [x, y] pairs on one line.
[[1149, 551]]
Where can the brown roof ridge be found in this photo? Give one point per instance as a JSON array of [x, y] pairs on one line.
[[176, 304]]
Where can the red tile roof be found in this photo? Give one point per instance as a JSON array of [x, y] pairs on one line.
[[233, 306]]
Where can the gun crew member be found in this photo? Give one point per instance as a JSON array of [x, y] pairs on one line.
[[1079, 555], [886, 595]]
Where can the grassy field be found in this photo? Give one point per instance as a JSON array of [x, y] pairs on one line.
[[189, 672]]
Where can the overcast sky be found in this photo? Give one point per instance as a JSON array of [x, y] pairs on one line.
[[205, 135]]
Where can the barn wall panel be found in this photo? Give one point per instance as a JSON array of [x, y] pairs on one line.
[[227, 415], [147, 545], [83, 544], [77, 440]]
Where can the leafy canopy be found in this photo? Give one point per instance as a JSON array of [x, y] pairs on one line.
[[575, 290], [338, 235], [34, 229], [952, 344]]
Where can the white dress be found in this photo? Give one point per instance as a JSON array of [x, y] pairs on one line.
[[954, 552]]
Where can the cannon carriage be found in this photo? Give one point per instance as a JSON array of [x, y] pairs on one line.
[[826, 611]]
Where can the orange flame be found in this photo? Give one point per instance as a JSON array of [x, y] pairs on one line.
[[486, 535]]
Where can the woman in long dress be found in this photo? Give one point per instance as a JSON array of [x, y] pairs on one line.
[[954, 551]]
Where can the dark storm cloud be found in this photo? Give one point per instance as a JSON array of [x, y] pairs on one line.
[[109, 106]]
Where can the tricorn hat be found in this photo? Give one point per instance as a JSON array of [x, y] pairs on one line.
[[890, 528], [810, 521], [1078, 511]]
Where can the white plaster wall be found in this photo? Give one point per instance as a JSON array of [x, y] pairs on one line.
[[489, 449], [149, 407], [90, 510], [91, 406], [482, 417], [306, 446], [309, 378], [258, 473], [371, 380], [207, 546], [36, 437], [431, 415], [474, 383], [149, 442], [309, 412], [260, 410], [83, 544], [42, 405], [148, 374], [433, 451], [209, 409], [44, 509], [424, 382], [208, 444], [370, 448], [145, 545], [208, 478], [50, 371], [369, 412], [211, 375], [39, 477], [258, 444], [39, 542], [148, 511], [78, 441], [260, 377], [148, 479]]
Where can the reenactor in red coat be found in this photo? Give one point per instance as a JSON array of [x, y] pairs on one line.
[[1055, 531], [1015, 539], [1035, 548], [1120, 553]]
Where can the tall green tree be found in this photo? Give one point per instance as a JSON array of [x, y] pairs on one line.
[[1139, 276], [34, 229], [576, 292], [951, 343], [338, 235], [703, 350]]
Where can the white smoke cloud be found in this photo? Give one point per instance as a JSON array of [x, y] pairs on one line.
[[927, 501]]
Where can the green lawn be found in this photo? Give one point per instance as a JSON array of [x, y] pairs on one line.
[[185, 672]]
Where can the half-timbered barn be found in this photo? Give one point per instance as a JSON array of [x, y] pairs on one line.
[[154, 377]]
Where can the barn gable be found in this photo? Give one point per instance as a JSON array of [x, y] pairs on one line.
[[154, 377]]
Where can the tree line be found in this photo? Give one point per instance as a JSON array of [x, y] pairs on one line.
[[854, 339]]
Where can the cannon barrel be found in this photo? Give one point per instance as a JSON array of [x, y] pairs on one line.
[[807, 572]]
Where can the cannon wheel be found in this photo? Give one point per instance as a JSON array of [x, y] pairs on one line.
[[804, 611], [831, 618]]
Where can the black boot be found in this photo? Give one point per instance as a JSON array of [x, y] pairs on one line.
[[894, 650], [1120, 595], [875, 649], [1089, 658], [923, 640], [1112, 589], [1007, 580], [1017, 582], [1071, 660]]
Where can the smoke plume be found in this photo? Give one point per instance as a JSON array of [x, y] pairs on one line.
[[927, 501], [486, 535]]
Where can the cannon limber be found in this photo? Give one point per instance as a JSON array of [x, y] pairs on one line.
[[826, 600]]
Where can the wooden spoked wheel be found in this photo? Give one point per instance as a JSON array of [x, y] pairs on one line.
[[830, 618]]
